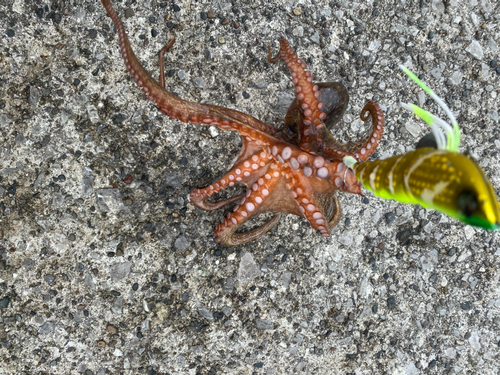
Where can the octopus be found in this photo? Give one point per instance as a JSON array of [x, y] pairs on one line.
[[296, 168]]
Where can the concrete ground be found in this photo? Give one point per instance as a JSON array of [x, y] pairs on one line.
[[105, 266]]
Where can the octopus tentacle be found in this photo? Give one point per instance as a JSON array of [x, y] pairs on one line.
[[307, 95], [246, 170], [321, 210], [255, 202], [351, 183], [153, 90], [169, 45], [308, 164], [200, 200], [337, 214], [370, 142], [336, 98], [226, 236], [168, 103], [362, 149]]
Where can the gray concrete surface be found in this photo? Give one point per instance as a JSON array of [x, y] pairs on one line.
[[102, 276]]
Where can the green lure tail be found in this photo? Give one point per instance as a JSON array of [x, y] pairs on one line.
[[452, 140], [441, 179]]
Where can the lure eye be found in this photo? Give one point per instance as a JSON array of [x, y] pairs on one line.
[[467, 203]]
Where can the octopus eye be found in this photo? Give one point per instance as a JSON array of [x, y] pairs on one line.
[[467, 203], [290, 132]]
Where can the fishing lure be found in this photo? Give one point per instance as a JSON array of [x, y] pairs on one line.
[[438, 177]]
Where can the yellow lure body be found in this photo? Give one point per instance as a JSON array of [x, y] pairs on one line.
[[442, 180]]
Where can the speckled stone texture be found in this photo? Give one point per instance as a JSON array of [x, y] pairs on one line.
[[105, 266]]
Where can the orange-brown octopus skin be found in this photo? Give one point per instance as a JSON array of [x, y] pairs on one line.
[[294, 169]]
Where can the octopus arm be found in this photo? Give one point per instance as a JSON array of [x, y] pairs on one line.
[[168, 103]]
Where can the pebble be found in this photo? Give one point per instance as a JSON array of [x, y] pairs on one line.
[[389, 218], [228, 285], [182, 243], [199, 82], [206, 314], [413, 128], [436, 73], [391, 302], [111, 329], [264, 324], [47, 327], [181, 74], [248, 269], [203, 15], [429, 260], [4, 302], [455, 78], [129, 12], [315, 37], [35, 96], [298, 31], [117, 306], [297, 11], [475, 49], [285, 279], [119, 271], [261, 84], [474, 341], [246, 95], [211, 13], [493, 114], [411, 369], [466, 306], [109, 200], [49, 278], [93, 33]]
